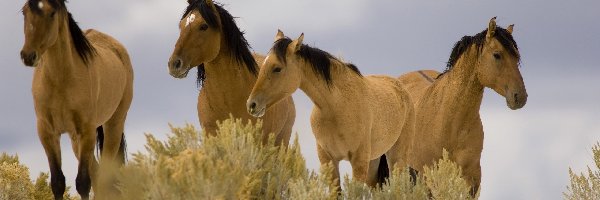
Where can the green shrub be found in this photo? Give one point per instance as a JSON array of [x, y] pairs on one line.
[[586, 186]]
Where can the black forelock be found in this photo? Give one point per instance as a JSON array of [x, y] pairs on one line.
[[319, 60], [205, 10], [280, 48], [233, 36], [502, 35], [56, 4]]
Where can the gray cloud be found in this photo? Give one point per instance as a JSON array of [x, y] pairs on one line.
[[526, 154]]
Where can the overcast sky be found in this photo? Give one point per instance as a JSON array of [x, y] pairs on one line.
[[526, 152]]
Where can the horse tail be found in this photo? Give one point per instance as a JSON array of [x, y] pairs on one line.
[[383, 171], [99, 141], [121, 154], [413, 175]]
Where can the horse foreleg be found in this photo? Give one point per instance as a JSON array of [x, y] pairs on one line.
[[372, 177], [87, 142], [470, 164], [93, 168], [325, 159], [360, 165], [51, 142], [283, 138]]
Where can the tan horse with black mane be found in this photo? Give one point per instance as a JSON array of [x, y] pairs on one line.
[[354, 118], [447, 107], [227, 70], [82, 83]]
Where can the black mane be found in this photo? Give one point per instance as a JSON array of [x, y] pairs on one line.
[[84, 48], [320, 60], [234, 38], [501, 34]]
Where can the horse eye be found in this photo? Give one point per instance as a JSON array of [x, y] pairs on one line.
[[52, 14], [277, 70], [203, 27], [497, 56]]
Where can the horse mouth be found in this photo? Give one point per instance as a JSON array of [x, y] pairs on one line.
[[29, 60], [180, 73], [30, 63], [257, 112]]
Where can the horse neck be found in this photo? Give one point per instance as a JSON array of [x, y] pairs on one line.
[[60, 60], [225, 74], [345, 85], [460, 89]]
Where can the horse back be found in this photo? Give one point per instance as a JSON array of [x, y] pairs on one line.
[[417, 82], [104, 42]]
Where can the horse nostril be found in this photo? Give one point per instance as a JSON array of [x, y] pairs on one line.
[[33, 56], [252, 106], [177, 64]]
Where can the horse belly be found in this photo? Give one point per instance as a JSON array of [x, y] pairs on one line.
[[388, 118], [112, 83], [386, 131]]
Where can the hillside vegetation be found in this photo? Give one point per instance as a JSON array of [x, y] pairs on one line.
[[235, 165]]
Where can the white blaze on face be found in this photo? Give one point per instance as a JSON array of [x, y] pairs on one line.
[[41, 5], [190, 19]]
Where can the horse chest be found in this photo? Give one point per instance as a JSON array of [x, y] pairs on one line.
[[61, 108], [338, 141]]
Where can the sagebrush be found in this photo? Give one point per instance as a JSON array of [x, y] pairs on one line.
[[586, 186], [15, 182], [237, 165]]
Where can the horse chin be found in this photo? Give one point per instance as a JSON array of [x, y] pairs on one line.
[[514, 104], [31, 64], [181, 73]]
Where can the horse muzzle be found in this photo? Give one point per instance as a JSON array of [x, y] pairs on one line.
[[177, 68], [516, 100], [30, 59], [255, 109]]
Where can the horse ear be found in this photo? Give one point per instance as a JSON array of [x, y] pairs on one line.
[[510, 28], [491, 28], [297, 44], [210, 3], [279, 35]]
